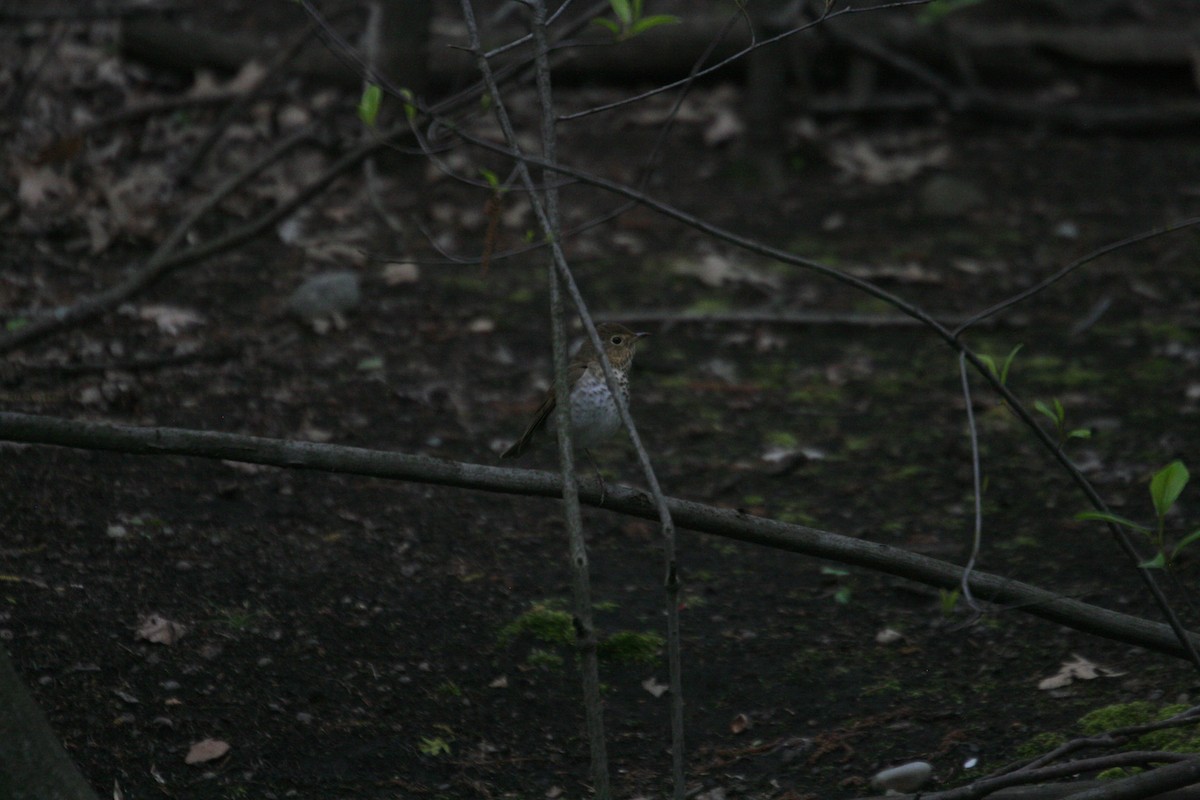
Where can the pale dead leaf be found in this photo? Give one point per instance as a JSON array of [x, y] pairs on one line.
[[159, 630], [739, 724], [724, 126], [654, 687], [205, 84], [714, 269], [481, 325], [171, 320], [247, 78], [401, 272], [911, 272], [99, 235], [206, 750], [499, 683], [293, 117], [36, 186], [126, 697], [1078, 668], [340, 253], [863, 160], [312, 433], [888, 636]]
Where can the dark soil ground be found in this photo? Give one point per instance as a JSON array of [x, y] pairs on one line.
[[343, 635]]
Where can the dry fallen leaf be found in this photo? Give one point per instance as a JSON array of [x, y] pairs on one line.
[[713, 269], [171, 320], [38, 185], [911, 272], [654, 687], [206, 750], [159, 630], [863, 160], [401, 272], [1079, 668], [739, 724], [888, 636], [724, 125]]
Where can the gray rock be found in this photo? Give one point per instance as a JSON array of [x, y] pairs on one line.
[[325, 294], [904, 778]]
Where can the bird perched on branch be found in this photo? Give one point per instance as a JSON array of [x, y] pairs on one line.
[[594, 414]]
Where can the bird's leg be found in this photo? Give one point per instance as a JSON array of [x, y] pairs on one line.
[[599, 477]]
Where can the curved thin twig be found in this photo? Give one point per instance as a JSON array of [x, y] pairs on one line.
[[162, 261]]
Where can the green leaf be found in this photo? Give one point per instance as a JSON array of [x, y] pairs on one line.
[[834, 571], [1104, 516], [1042, 408], [990, 363], [410, 104], [1008, 360], [653, 21], [622, 10], [1185, 541], [490, 177], [1158, 562], [1166, 485], [368, 106], [434, 746], [15, 324], [608, 24], [948, 599], [370, 364], [843, 594], [1079, 433]]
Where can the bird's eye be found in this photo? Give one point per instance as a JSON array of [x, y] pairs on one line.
[[617, 339]]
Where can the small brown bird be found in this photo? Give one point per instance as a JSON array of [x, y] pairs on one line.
[[594, 415]]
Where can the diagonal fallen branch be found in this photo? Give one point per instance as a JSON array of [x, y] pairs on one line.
[[1039, 602]]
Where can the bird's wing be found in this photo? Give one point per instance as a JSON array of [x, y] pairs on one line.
[[574, 373]]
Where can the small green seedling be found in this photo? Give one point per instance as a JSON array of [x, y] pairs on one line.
[[1165, 487], [1001, 372], [434, 746], [844, 592], [631, 21], [368, 105], [493, 180], [1058, 415], [948, 600]]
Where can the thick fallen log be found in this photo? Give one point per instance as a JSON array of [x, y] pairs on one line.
[[733, 524]]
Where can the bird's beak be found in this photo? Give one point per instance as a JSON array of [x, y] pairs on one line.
[[641, 334]]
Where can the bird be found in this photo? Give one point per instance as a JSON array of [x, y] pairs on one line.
[[594, 414]]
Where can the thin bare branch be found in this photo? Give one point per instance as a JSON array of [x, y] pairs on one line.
[[742, 53], [1054, 278], [912, 310], [546, 208], [977, 485]]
